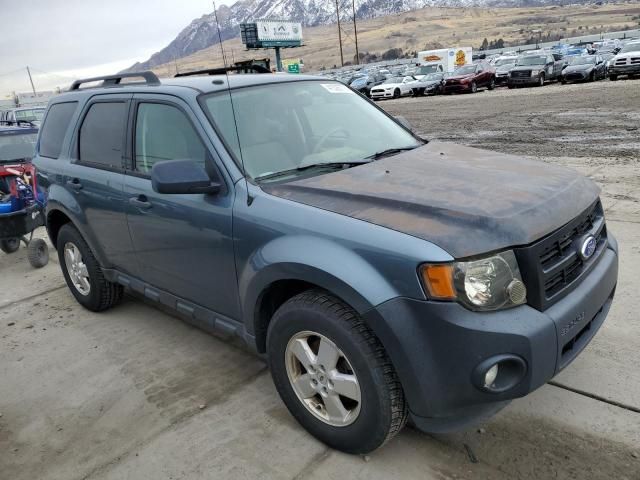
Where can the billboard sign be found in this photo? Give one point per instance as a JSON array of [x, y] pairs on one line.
[[279, 31]]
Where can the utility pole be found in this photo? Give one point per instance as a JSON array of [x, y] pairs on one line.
[[355, 31], [31, 80], [339, 33]]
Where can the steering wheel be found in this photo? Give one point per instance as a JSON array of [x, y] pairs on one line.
[[328, 135]]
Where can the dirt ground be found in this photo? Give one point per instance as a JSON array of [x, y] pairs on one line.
[[136, 393]]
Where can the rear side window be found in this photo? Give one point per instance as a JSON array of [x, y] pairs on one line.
[[55, 128], [102, 134], [164, 132]]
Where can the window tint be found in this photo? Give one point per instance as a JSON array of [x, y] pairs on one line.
[[55, 127], [164, 132], [102, 134]]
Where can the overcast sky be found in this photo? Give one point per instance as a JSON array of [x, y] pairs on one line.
[[64, 39]]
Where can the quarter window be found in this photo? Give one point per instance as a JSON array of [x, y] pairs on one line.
[[55, 128], [164, 132], [102, 134]]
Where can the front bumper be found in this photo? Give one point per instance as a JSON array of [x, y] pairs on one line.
[[624, 69], [502, 79], [437, 347], [458, 87], [384, 94], [523, 81], [575, 76]]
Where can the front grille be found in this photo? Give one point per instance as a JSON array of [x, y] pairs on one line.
[[552, 267], [635, 61], [521, 74], [621, 61], [574, 76]]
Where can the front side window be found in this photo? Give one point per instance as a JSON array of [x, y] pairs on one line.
[[164, 132], [102, 134], [298, 125]]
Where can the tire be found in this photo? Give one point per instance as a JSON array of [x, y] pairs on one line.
[[563, 81], [511, 87], [11, 245], [613, 78], [492, 84], [396, 93], [541, 80], [316, 317], [101, 294], [592, 77], [474, 87], [38, 253]]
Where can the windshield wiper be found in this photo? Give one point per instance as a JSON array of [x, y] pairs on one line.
[[331, 165], [390, 151]]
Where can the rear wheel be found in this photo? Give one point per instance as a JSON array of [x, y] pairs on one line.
[[10, 245], [83, 273], [333, 373]]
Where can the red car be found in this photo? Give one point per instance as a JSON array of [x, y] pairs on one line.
[[469, 78]]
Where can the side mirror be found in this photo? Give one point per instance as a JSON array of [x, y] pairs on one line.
[[404, 122], [182, 176]]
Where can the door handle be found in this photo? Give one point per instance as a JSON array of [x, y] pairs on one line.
[[74, 184], [140, 202]]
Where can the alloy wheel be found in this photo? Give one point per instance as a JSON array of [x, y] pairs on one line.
[[77, 269], [323, 379]]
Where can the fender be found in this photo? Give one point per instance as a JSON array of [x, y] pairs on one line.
[[316, 260], [62, 200]]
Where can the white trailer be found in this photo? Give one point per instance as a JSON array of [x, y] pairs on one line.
[[444, 60]]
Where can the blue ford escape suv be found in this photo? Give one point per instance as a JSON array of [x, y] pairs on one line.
[[381, 276]]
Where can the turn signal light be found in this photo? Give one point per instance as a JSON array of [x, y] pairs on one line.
[[438, 279]]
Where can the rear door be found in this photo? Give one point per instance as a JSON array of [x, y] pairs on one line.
[[95, 178], [183, 243]]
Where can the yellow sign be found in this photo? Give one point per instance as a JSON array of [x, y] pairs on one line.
[[432, 58], [461, 58]]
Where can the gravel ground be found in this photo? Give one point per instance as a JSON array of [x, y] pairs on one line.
[[136, 393]]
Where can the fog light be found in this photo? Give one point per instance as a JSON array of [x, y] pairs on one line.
[[491, 376]]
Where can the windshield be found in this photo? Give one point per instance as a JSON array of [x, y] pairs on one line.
[[582, 60], [30, 115], [505, 61], [17, 147], [466, 70], [631, 47], [433, 77], [291, 125], [531, 61], [394, 80]]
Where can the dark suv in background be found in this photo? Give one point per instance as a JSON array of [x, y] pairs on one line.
[[380, 275], [534, 69]]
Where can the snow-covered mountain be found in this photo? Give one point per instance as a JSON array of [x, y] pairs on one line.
[[202, 32]]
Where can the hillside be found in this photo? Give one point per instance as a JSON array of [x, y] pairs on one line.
[[428, 27]]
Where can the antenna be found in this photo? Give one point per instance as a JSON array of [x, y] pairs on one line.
[[233, 110]]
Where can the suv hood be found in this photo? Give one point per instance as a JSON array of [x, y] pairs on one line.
[[465, 200], [538, 66]]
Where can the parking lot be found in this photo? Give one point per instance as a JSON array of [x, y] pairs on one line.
[[136, 393]]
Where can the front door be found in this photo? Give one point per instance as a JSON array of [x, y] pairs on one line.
[[184, 243]]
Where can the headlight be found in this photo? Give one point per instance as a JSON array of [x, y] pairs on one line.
[[489, 283], [534, 72]]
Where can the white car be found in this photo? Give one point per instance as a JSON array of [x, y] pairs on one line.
[[394, 87], [626, 62]]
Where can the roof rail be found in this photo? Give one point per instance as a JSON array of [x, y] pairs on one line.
[[150, 78], [223, 70]]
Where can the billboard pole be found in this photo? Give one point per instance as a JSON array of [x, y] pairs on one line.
[[278, 59], [339, 34], [355, 31]]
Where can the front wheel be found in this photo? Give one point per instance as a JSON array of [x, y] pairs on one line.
[[474, 87], [541, 80], [492, 84], [333, 373], [83, 273], [10, 245], [396, 93], [613, 78]]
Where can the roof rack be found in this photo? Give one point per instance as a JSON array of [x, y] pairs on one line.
[[150, 78], [223, 70]]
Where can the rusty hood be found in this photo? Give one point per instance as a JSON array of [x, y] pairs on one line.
[[466, 200]]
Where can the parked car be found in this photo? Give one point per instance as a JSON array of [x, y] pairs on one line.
[[469, 78], [13, 116], [380, 276], [584, 68], [393, 87], [626, 62], [503, 66], [17, 143], [535, 70], [365, 83], [431, 84]]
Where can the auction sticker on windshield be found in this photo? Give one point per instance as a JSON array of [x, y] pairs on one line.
[[335, 88]]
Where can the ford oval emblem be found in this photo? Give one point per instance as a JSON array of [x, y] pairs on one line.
[[588, 247]]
